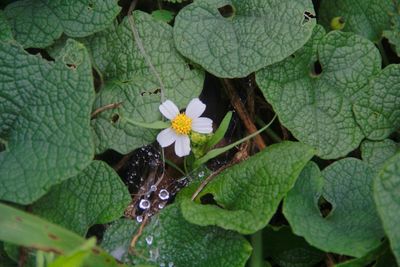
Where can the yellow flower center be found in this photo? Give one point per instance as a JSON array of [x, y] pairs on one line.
[[182, 124]]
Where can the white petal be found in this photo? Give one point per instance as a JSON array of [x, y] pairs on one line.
[[182, 145], [195, 108], [202, 125], [166, 137], [169, 109]]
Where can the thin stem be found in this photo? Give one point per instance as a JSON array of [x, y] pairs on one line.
[[173, 165], [257, 259], [185, 165], [275, 137], [104, 108]]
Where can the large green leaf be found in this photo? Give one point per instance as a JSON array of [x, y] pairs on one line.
[[39, 23], [378, 110], [318, 107], [376, 153], [130, 79], [27, 230], [289, 250], [96, 195], [248, 194], [44, 119], [367, 18], [257, 33], [352, 227], [169, 240], [136, 105], [387, 199]]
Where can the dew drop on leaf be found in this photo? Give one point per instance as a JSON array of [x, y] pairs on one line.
[[149, 240], [163, 195], [144, 204]]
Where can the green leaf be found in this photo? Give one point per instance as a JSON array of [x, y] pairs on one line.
[[393, 34], [39, 23], [113, 132], [317, 107], [175, 241], [367, 18], [289, 250], [5, 29], [352, 227], [77, 258], [387, 199], [378, 110], [367, 259], [44, 120], [376, 153], [95, 196], [163, 15], [130, 79], [248, 194], [27, 230], [253, 34], [220, 132]]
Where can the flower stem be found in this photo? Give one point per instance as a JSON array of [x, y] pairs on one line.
[[257, 259]]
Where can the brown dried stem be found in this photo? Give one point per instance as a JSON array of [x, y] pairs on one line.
[[242, 112]]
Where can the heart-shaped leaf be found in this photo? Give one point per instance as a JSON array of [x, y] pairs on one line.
[[352, 226], [248, 194], [322, 81], [95, 196], [233, 38], [44, 119]]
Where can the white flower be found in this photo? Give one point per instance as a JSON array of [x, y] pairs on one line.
[[182, 124]]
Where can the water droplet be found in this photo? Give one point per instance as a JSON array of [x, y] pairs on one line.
[[149, 154], [139, 218], [163, 194], [161, 205], [119, 252], [170, 264], [149, 240], [153, 188], [201, 174], [144, 204]]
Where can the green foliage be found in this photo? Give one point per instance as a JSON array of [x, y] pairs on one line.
[[129, 79], [368, 18], [96, 195], [75, 112], [169, 238], [39, 23], [5, 29], [245, 39], [376, 153], [333, 109], [24, 229], [352, 226], [387, 198], [44, 119], [248, 194]]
